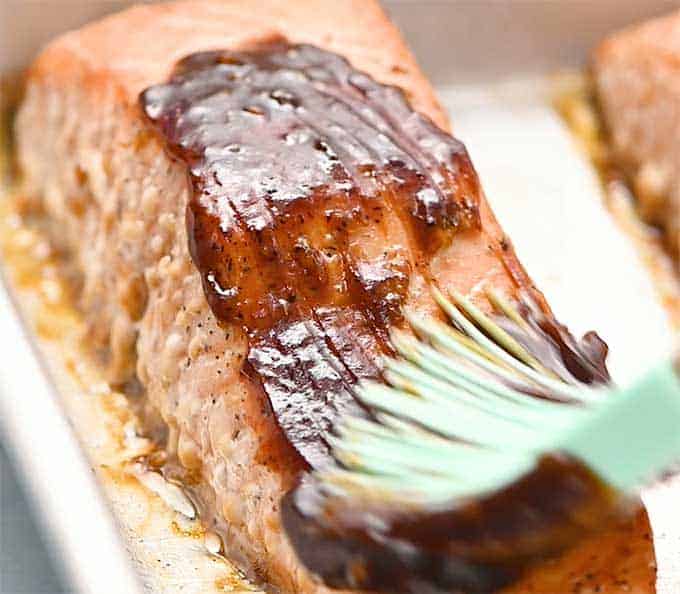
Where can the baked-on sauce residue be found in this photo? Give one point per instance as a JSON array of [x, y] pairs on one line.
[[316, 194]]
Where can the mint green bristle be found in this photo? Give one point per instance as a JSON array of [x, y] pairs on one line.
[[508, 345], [502, 305], [455, 418], [436, 332]]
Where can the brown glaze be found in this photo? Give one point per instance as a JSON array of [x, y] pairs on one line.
[[294, 157], [575, 361], [302, 170], [470, 546], [309, 368]]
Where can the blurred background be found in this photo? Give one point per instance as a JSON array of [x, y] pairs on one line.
[[510, 36]]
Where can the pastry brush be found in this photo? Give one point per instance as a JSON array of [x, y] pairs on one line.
[[466, 410]]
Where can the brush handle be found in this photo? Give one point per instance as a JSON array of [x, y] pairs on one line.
[[635, 436]]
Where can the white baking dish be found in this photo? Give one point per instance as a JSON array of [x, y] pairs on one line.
[[491, 62]]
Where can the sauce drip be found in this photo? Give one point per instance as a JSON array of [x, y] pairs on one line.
[[573, 360]]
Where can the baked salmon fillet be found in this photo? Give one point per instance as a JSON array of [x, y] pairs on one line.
[[637, 73], [248, 200]]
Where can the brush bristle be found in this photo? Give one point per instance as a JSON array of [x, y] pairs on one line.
[[465, 409]]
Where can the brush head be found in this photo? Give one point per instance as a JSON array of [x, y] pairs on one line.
[[466, 409], [493, 442]]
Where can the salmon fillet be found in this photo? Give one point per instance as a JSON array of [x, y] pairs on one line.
[[115, 201], [637, 72]]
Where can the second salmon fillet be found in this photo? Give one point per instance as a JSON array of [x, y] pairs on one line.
[[638, 84]]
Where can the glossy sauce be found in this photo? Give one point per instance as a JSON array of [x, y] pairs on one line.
[[474, 546], [551, 343], [302, 171], [295, 158]]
